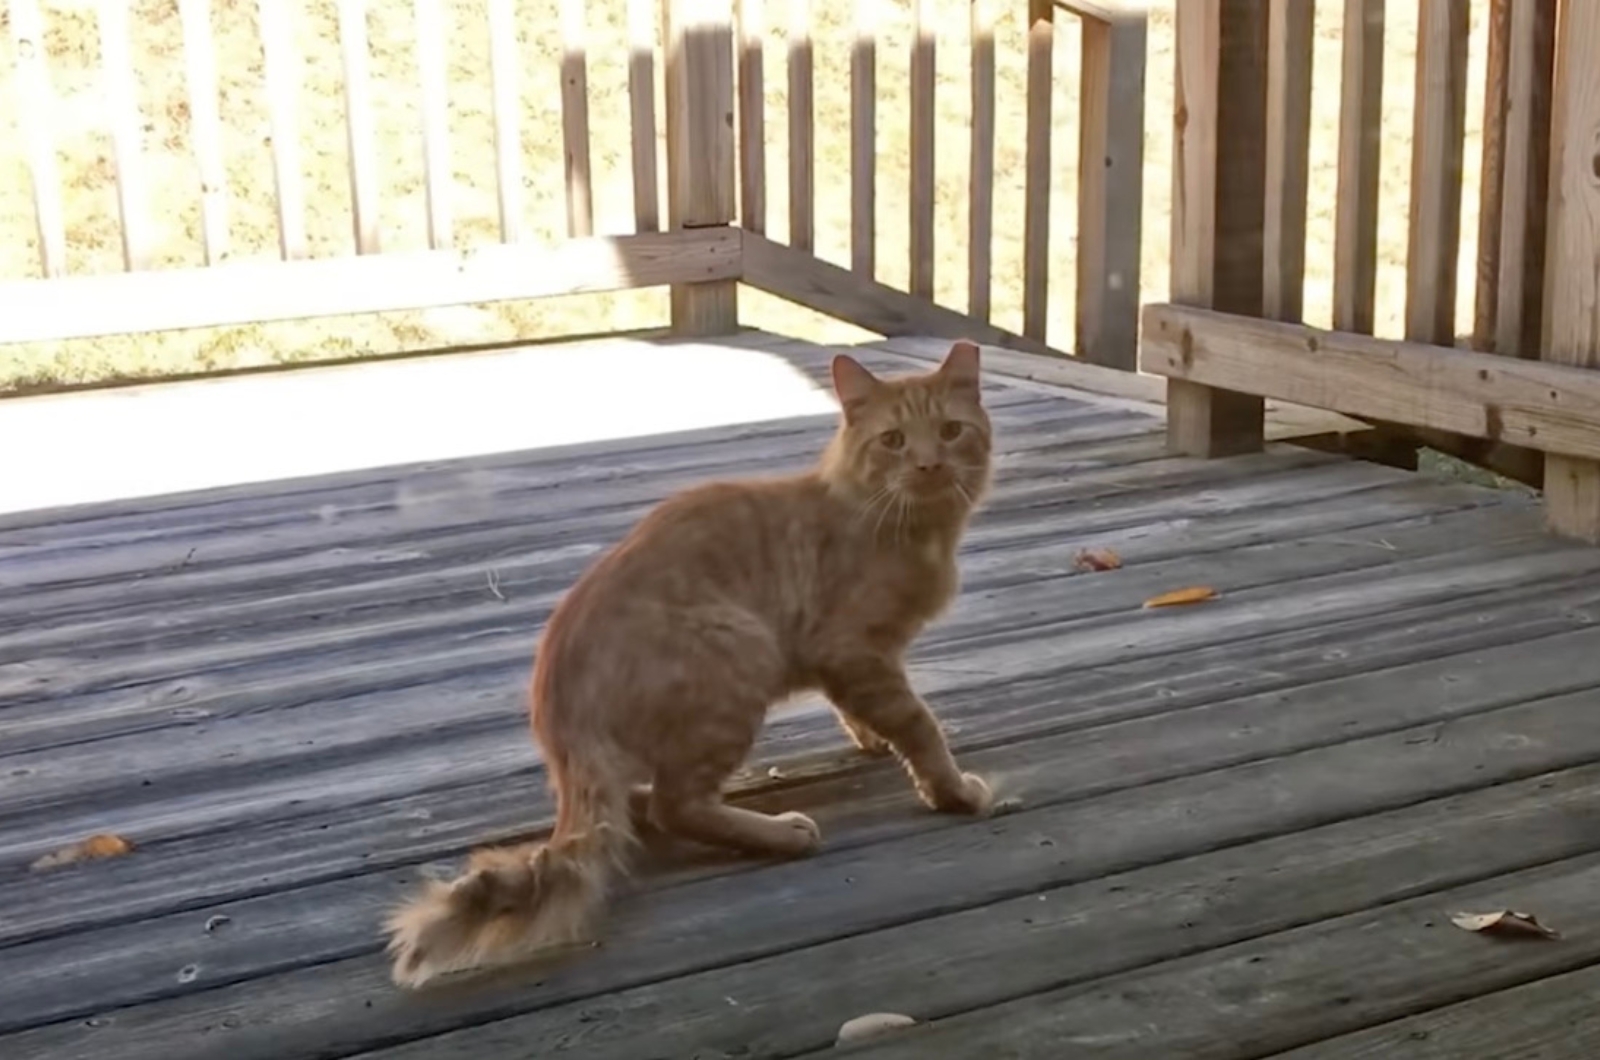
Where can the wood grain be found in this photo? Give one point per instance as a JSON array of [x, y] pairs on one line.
[[1290, 29], [358, 123], [1572, 278], [35, 104], [802, 129], [1218, 204], [701, 163], [642, 42], [127, 124], [505, 101], [1495, 1025], [1549, 407], [1110, 189], [432, 72], [876, 307], [1519, 313], [980, 197], [864, 140], [200, 71], [1434, 237], [1492, 170], [575, 118], [752, 115], [924, 49], [1387, 710], [282, 70], [247, 292], [1355, 245], [1037, 171], [1346, 974]]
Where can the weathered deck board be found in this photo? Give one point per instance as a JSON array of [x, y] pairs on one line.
[[296, 697]]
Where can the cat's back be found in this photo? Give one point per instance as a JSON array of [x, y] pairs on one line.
[[726, 537]]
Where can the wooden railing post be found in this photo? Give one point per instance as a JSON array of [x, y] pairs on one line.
[[1218, 204], [700, 152], [1572, 276], [1111, 189]]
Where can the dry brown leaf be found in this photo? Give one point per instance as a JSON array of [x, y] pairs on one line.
[[1097, 559], [95, 847], [1507, 921], [1193, 595]]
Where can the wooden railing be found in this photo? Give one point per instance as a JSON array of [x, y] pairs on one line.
[[369, 276], [711, 58], [1109, 169], [1239, 236]]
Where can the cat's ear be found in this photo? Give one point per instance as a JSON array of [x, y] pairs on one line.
[[853, 384], [960, 369]]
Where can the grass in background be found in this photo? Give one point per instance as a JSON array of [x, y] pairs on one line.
[[85, 158]]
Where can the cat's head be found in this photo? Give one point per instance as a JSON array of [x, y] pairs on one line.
[[922, 440]]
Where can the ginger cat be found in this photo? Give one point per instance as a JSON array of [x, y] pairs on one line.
[[656, 671]]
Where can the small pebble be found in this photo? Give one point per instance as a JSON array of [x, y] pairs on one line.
[[871, 1025]]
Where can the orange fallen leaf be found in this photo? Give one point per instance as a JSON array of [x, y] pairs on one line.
[[1096, 559], [95, 847], [1193, 595], [1507, 921]]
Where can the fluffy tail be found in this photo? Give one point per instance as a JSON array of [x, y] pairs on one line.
[[513, 902]]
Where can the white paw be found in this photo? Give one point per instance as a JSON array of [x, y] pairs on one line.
[[802, 835], [973, 798]]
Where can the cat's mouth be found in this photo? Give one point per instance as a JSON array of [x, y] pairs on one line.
[[937, 488]]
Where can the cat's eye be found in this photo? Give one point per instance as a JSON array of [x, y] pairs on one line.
[[951, 430], [894, 439]]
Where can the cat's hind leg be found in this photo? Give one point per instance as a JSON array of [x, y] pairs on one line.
[[686, 795]]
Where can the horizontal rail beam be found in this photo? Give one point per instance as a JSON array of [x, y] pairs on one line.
[[1553, 408], [250, 292], [798, 277]]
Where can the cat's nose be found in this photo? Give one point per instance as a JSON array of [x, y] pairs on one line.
[[929, 466]]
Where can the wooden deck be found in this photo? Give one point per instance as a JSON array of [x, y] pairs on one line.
[[1242, 825]]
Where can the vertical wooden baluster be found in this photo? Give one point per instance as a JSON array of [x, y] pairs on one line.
[[1572, 275], [864, 141], [122, 101], [1438, 133], [506, 100], [205, 126], [1290, 39], [642, 38], [358, 126], [923, 68], [1036, 194], [1219, 206], [701, 164], [1519, 316], [1355, 244], [282, 65], [575, 117], [435, 120], [802, 137], [1111, 189], [980, 209], [35, 106], [752, 116], [1492, 173]]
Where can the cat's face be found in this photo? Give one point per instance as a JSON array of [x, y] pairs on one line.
[[923, 440]]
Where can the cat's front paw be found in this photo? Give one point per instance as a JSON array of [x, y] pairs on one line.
[[973, 797]]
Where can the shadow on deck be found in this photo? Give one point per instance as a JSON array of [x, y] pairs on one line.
[[1242, 827]]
